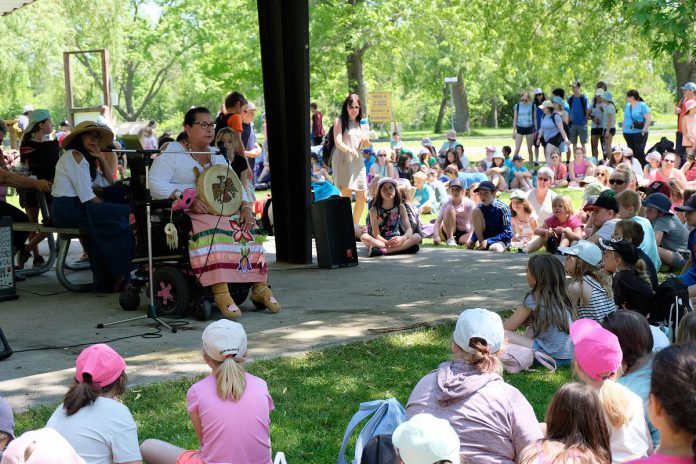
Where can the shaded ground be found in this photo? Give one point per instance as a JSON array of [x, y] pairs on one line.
[[320, 308]]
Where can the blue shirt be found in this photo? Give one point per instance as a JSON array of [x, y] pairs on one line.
[[513, 170], [524, 114], [578, 110], [369, 162], [540, 114], [649, 245], [470, 178], [632, 115], [689, 277], [548, 124], [421, 196], [498, 224]]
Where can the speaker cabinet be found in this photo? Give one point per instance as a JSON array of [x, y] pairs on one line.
[[332, 221]]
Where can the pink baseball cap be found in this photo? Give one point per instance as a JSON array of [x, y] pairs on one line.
[[597, 351], [102, 363]]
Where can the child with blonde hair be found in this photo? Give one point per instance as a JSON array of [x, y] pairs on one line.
[[229, 409], [548, 308], [524, 220], [629, 205], [562, 228], [598, 359]]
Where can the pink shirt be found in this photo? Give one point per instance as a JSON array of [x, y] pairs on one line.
[[234, 432], [573, 222], [659, 458], [463, 212], [675, 174]]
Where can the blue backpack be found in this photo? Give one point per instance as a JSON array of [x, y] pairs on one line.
[[386, 417]]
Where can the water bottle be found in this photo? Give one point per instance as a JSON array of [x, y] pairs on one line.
[[365, 127]]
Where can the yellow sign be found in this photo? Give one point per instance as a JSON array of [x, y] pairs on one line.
[[379, 106]]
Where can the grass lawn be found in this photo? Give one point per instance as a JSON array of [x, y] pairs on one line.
[[316, 394]]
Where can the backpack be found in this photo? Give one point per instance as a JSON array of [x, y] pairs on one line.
[[413, 218], [583, 101], [386, 417], [328, 146], [670, 303], [379, 450], [662, 146]]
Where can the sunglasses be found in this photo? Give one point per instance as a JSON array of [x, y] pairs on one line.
[[617, 181], [352, 107], [382, 156]]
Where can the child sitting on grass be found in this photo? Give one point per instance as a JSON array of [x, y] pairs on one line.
[[633, 232], [630, 280], [229, 409], [424, 195], [524, 221], [562, 228], [547, 308], [686, 333], [520, 177], [491, 221], [598, 359], [453, 224], [590, 287], [576, 431], [629, 206], [671, 405], [386, 214]]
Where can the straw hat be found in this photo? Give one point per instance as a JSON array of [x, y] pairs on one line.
[[105, 134]]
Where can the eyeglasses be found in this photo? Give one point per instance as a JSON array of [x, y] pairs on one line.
[[617, 181], [205, 125], [544, 179], [353, 107]]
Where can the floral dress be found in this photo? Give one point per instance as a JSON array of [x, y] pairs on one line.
[[388, 221]]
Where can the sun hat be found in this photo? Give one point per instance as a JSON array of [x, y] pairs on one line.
[[498, 154], [593, 189], [456, 182], [606, 95], [653, 155], [426, 142], [603, 201], [659, 201], [538, 91], [6, 418], [623, 248], [589, 180], [479, 323], [585, 250], [27, 108], [451, 135], [575, 83], [597, 351], [689, 86], [101, 363], [425, 439], [486, 185], [689, 205], [424, 151], [617, 149], [42, 446], [105, 134], [546, 104], [227, 339], [627, 151], [518, 195], [491, 148], [36, 117]]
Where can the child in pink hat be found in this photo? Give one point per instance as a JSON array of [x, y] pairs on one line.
[[598, 359], [100, 428]]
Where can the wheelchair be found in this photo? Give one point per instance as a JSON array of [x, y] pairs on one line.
[[176, 290]]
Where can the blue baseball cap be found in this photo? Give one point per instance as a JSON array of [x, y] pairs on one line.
[[659, 201], [558, 100], [689, 86]]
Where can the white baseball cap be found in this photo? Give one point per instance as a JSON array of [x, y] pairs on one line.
[[585, 250], [224, 339], [425, 439], [479, 323]]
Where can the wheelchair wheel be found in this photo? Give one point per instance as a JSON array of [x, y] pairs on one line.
[[171, 292], [130, 299], [239, 293], [203, 309]]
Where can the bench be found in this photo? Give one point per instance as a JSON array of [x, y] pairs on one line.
[[57, 254]]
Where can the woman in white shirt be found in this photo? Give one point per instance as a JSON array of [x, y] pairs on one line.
[[110, 241]]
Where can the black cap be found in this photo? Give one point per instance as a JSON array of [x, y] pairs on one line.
[[486, 185], [689, 205], [603, 201], [517, 158], [623, 248]]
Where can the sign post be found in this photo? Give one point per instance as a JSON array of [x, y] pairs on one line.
[[450, 81]]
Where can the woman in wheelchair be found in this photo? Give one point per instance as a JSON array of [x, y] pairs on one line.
[[222, 250], [110, 241]]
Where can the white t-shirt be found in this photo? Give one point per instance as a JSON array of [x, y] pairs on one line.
[[545, 209], [101, 433], [632, 440]]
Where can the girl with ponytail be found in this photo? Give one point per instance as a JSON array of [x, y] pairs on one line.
[[229, 409], [672, 405], [598, 360]]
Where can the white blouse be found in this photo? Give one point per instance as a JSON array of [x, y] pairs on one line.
[[72, 179]]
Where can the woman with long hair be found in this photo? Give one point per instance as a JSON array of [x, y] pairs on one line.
[[539, 98], [637, 119], [349, 171]]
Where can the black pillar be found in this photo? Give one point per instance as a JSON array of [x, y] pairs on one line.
[[284, 33]]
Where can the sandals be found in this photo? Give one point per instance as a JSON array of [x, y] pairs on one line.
[[262, 294]]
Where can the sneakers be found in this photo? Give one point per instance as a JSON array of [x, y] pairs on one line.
[[451, 242], [412, 250], [374, 251]]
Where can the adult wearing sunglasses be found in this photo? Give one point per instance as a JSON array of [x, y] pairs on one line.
[[622, 178], [541, 197], [383, 166], [349, 170], [560, 170], [668, 170], [636, 123]]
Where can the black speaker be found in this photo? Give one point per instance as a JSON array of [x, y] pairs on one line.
[[5, 350], [332, 221]]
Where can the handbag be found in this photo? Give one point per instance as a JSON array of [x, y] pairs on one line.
[[518, 358], [637, 125]]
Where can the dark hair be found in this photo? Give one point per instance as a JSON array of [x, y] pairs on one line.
[[352, 98], [673, 384], [456, 161], [77, 145], [32, 130], [232, 99], [165, 138], [378, 196], [632, 231], [507, 150], [575, 418], [542, 95], [84, 393], [634, 334], [181, 136], [558, 92], [190, 116], [634, 93], [313, 105], [502, 162]]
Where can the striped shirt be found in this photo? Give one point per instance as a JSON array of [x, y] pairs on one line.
[[600, 303]]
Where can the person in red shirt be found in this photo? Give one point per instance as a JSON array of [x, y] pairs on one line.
[[317, 125], [688, 93]]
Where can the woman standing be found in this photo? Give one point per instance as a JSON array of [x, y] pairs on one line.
[[551, 130], [608, 119], [110, 244], [539, 98], [597, 131], [348, 167], [523, 123], [636, 123]]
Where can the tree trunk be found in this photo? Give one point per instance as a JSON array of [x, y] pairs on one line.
[[441, 113], [684, 68], [494, 111], [356, 78], [461, 105]]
